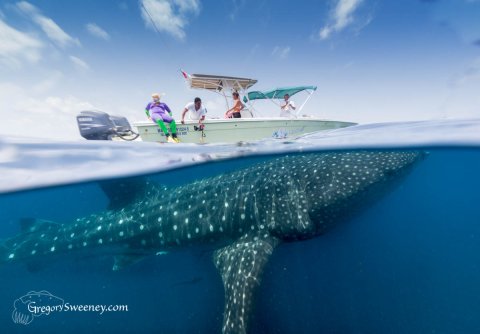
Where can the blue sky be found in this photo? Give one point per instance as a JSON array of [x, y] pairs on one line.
[[372, 60]]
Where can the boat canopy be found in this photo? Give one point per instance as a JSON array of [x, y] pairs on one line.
[[278, 93], [218, 83]]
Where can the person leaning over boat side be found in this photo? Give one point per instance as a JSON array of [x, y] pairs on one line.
[[234, 112], [195, 112], [288, 107], [160, 114]]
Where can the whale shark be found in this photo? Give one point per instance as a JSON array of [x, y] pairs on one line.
[[242, 215]]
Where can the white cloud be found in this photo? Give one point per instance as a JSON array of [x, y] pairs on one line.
[[79, 64], [69, 105], [463, 99], [49, 27], [461, 17], [47, 84], [252, 53], [281, 52], [340, 18], [236, 5], [471, 73], [188, 6], [96, 31], [17, 47], [168, 15], [50, 117]]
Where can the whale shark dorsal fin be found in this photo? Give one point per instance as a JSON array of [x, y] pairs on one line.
[[241, 266], [123, 192]]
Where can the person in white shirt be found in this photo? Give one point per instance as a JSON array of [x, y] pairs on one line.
[[288, 108], [195, 112]]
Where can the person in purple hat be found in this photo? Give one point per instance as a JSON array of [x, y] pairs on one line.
[[160, 114]]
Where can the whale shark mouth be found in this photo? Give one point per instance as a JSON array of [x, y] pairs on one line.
[[244, 215]]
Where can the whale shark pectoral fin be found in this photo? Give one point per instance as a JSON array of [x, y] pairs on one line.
[[122, 261], [241, 266]]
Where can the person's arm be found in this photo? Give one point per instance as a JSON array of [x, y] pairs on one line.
[[235, 106], [147, 110], [202, 118], [292, 105], [200, 122], [228, 113], [183, 115], [168, 109]]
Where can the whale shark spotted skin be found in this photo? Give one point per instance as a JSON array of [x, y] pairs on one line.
[[244, 215]]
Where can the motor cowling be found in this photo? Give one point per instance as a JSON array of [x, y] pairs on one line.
[[98, 125], [122, 126]]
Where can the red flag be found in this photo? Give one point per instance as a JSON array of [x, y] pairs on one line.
[[185, 75]]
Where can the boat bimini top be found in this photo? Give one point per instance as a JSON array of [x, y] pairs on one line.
[[219, 83], [279, 93]]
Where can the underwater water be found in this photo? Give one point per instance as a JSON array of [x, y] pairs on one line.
[[409, 262]]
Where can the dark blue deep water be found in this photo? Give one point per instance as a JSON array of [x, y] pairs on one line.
[[408, 264]]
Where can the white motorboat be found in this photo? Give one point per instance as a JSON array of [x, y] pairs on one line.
[[96, 125]]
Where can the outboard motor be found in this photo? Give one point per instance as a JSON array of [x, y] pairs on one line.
[[121, 125], [98, 125], [95, 125]]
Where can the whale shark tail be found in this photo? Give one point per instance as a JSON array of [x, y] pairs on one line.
[[241, 266]]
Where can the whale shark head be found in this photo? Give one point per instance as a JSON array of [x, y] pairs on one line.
[[320, 190]]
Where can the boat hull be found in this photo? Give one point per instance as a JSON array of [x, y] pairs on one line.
[[236, 130]]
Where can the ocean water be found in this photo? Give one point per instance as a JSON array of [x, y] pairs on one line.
[[408, 263]]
